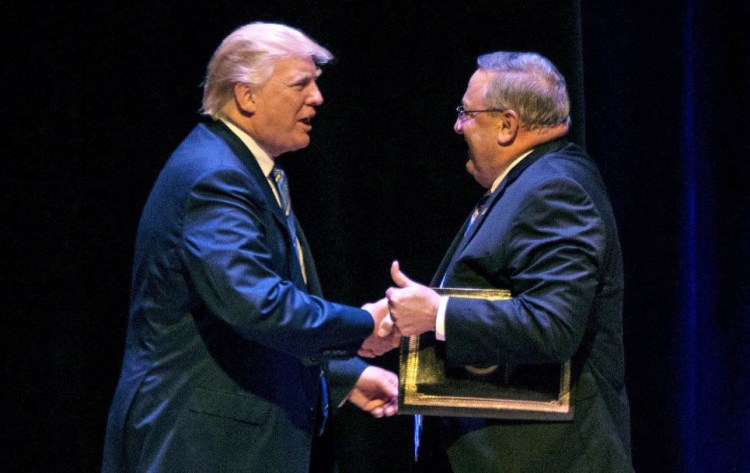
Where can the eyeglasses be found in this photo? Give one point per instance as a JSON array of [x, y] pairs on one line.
[[464, 114]]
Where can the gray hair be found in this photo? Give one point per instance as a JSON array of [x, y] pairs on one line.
[[529, 84], [248, 55]]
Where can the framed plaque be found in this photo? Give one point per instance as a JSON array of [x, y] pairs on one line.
[[429, 386]]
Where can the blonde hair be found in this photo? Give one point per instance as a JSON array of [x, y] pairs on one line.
[[248, 55]]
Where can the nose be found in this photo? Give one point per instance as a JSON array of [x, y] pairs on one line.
[[316, 97], [458, 127]]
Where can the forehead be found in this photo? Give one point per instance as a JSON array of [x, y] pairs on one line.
[[294, 67], [477, 86]]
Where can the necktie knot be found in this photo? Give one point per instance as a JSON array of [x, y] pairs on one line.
[[479, 210], [481, 207]]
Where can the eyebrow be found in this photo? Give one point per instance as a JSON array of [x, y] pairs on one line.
[[303, 77]]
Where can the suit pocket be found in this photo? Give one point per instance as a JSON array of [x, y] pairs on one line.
[[241, 407]]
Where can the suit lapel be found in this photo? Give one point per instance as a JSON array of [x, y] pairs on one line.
[[461, 240], [447, 259], [251, 164]]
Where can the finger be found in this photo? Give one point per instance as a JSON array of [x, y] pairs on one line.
[[389, 294], [407, 331], [365, 353], [390, 388], [398, 277], [386, 326], [402, 325], [380, 307], [375, 404], [376, 351], [390, 409]]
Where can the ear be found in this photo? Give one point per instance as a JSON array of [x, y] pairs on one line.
[[244, 98], [507, 129]]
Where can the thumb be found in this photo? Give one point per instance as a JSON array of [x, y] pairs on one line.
[[400, 278]]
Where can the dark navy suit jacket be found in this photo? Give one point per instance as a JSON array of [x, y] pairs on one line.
[[226, 343], [549, 235]]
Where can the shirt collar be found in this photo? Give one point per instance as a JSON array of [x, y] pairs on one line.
[[265, 161], [500, 178]]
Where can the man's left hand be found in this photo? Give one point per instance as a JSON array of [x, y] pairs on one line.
[[376, 392]]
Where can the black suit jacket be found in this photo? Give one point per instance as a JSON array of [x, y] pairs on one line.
[[549, 235], [225, 341]]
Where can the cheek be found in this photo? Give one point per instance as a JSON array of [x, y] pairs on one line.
[[473, 141], [481, 141]]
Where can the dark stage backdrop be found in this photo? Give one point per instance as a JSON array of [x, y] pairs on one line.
[[97, 94]]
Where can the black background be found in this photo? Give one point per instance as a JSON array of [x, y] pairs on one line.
[[97, 94]]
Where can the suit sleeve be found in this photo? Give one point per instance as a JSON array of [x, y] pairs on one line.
[[342, 375], [551, 254], [232, 267]]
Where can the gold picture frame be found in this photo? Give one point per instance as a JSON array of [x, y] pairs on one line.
[[429, 386]]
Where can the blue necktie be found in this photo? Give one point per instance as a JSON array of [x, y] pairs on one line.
[[282, 185]]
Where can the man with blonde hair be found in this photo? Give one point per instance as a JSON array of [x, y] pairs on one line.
[[232, 356]]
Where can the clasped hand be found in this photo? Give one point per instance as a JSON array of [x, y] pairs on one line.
[[376, 390], [384, 337], [407, 309], [413, 307]]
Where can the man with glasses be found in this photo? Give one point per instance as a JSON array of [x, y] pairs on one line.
[[546, 231]]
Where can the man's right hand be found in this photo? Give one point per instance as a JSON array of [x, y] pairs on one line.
[[385, 335]]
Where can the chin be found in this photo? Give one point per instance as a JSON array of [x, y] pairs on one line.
[[303, 141], [475, 174], [297, 145]]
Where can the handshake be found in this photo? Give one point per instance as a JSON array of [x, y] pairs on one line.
[[407, 309]]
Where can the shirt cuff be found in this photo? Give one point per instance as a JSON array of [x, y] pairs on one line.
[[440, 319]]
